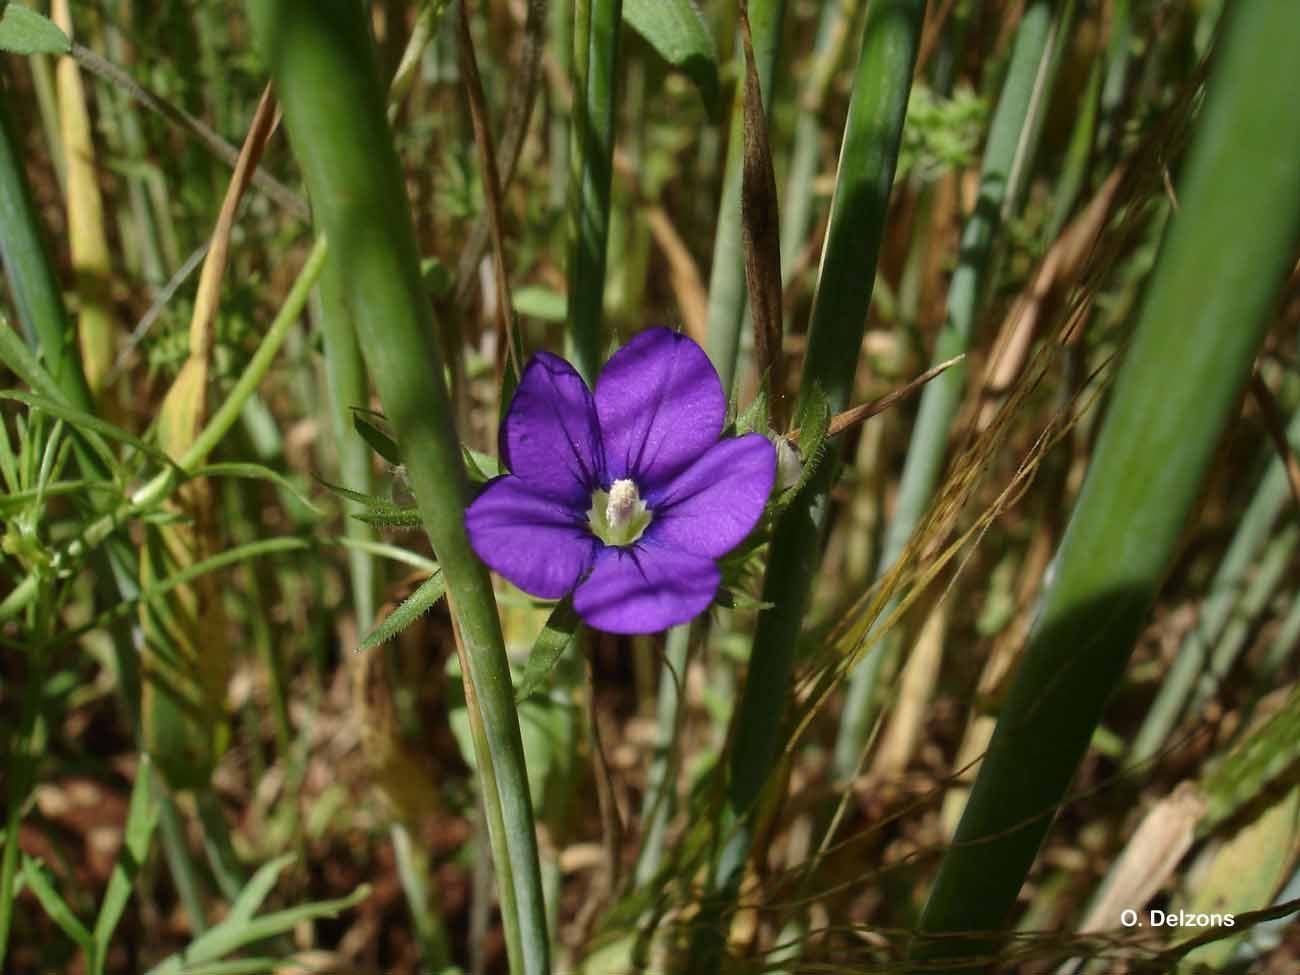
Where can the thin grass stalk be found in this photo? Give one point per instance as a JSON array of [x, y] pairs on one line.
[[868, 156], [1253, 532], [1007, 156], [1202, 323], [597, 29], [727, 300], [341, 138]]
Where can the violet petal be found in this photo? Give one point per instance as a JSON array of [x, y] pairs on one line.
[[660, 405], [645, 588], [710, 507], [550, 437], [541, 545]]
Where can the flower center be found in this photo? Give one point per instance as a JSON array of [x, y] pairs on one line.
[[618, 516]]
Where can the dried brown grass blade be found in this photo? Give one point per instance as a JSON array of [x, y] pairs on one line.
[[857, 414], [760, 233]]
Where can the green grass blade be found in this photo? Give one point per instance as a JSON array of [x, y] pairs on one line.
[[555, 638], [1204, 317], [341, 139], [141, 818], [40, 884]]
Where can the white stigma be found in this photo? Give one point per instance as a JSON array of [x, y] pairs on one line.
[[622, 504]]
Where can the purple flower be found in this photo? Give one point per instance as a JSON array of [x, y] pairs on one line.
[[626, 498]]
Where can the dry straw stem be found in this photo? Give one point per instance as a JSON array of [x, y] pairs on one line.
[[96, 323], [726, 277], [760, 234]]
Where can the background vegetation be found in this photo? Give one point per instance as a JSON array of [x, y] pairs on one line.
[[1013, 651]]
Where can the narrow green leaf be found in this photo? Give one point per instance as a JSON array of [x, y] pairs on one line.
[[234, 933], [380, 442], [257, 889], [55, 906], [24, 31], [189, 574], [386, 551], [141, 818], [677, 30], [411, 609], [555, 636]]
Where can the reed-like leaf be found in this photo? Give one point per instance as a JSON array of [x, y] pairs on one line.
[[340, 136], [1201, 325], [867, 162]]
